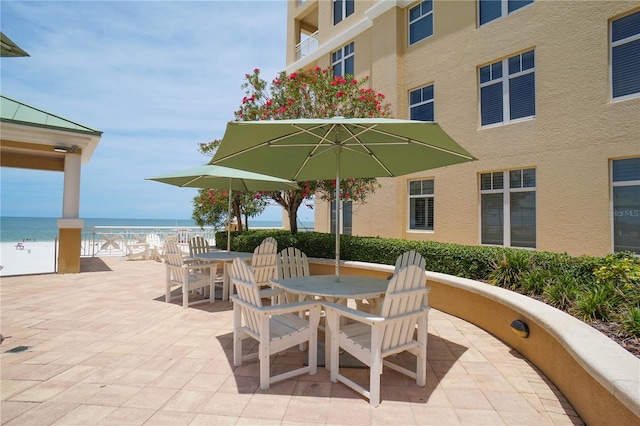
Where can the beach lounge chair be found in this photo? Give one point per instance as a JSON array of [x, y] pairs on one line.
[[371, 338], [275, 328], [155, 246], [136, 251]]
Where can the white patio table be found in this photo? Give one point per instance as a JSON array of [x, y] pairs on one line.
[[327, 287], [225, 258]]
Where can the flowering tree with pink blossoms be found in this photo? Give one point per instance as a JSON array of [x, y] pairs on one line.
[[312, 93]]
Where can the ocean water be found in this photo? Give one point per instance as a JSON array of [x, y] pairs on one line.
[[16, 229]]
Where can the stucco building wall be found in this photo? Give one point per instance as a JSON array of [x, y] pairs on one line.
[[576, 132]]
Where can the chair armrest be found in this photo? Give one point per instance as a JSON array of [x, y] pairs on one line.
[[269, 292], [354, 314], [200, 265], [279, 309], [289, 308]]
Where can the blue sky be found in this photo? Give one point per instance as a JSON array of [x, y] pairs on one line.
[[156, 77]]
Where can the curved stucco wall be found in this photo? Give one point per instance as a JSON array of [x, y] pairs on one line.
[[599, 378]]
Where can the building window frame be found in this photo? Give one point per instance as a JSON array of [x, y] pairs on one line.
[[422, 103], [421, 205], [625, 220], [343, 60], [420, 19], [346, 223], [624, 44], [507, 90], [342, 9], [498, 9], [504, 194]]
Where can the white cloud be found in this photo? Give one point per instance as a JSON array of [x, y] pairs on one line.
[[157, 77]]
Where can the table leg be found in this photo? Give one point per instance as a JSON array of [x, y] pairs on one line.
[[226, 281]]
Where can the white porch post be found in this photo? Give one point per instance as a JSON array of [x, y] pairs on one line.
[[71, 196], [70, 225]]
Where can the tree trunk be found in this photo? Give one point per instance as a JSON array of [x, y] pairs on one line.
[[290, 201], [293, 218], [238, 215]]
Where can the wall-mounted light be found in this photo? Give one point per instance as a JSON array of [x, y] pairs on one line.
[[520, 328], [71, 149]]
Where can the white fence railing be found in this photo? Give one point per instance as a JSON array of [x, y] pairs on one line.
[[113, 240]]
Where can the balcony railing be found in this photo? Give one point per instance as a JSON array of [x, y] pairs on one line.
[[307, 46]]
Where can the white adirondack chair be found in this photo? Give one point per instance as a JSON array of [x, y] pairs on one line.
[[291, 263], [370, 338], [264, 261], [275, 328], [188, 277], [405, 259], [409, 258], [198, 245]]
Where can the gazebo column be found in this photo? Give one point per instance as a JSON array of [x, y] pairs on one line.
[[70, 225]]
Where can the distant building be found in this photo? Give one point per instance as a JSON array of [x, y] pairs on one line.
[[546, 94]]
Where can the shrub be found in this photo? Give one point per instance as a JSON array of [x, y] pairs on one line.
[[509, 269], [597, 302], [534, 281], [631, 321], [561, 292]]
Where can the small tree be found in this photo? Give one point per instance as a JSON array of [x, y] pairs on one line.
[[211, 207], [312, 93]]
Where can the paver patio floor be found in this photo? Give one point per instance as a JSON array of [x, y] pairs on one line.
[[104, 348]]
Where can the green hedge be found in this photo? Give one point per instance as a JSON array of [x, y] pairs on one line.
[[474, 262]]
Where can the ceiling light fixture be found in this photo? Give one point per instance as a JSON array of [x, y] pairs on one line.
[[72, 149]]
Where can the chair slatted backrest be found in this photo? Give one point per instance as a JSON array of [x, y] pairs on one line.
[[198, 245], [409, 258], [292, 263], [264, 261], [247, 291], [402, 306], [173, 260], [154, 241], [166, 245]]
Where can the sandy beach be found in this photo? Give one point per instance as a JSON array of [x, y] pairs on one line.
[[28, 258]]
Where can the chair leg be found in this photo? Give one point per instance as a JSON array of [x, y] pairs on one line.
[[374, 386], [313, 351], [332, 346], [185, 297], [263, 359], [237, 335]]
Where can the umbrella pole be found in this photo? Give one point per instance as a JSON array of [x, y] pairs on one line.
[[229, 220], [338, 148]]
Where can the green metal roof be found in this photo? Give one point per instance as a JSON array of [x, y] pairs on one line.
[[9, 48], [12, 111]]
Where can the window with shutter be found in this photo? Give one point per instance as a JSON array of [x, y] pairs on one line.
[[421, 205], [625, 57], [508, 90]]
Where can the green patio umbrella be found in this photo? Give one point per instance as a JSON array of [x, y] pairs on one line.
[[219, 177], [311, 149]]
